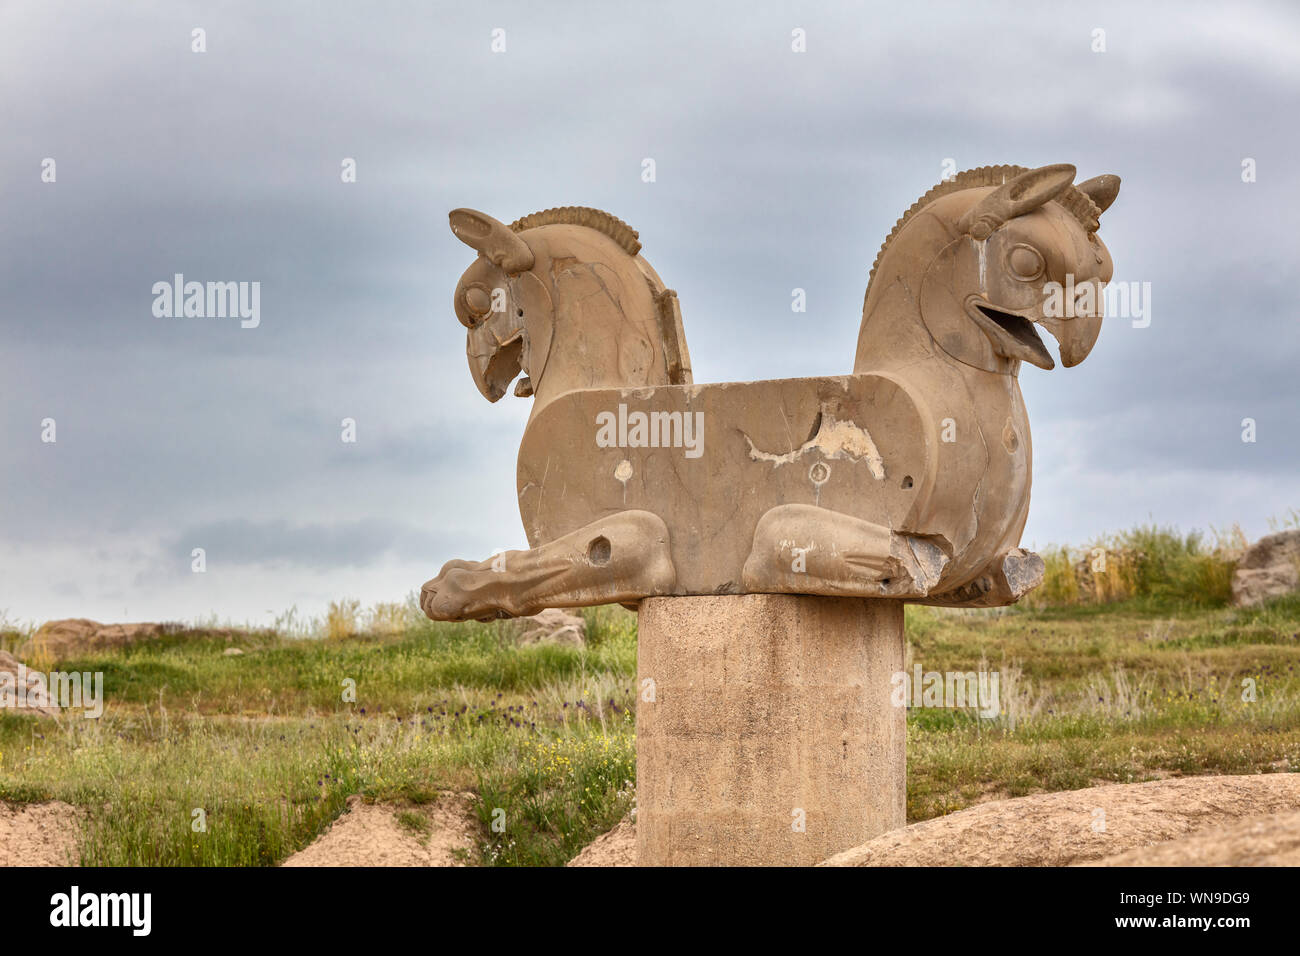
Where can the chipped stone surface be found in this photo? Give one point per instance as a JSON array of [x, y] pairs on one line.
[[834, 439], [907, 479]]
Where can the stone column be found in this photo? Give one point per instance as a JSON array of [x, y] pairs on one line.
[[765, 732]]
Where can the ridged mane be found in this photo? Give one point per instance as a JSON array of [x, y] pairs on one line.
[[627, 237], [1075, 201]]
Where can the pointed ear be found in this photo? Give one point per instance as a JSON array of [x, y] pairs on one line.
[[1022, 195], [493, 238], [1101, 189]]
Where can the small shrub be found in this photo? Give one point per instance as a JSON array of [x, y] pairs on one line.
[[1146, 562], [341, 620]]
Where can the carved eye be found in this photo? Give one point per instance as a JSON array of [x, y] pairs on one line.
[[1026, 262], [477, 301]]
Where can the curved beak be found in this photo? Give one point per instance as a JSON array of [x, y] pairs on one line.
[[1075, 336], [495, 357], [1015, 336]]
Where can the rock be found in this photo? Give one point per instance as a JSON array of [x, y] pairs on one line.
[[1272, 840], [34, 697], [1269, 568], [552, 626], [1251, 820], [1076, 826], [76, 636], [232, 652]]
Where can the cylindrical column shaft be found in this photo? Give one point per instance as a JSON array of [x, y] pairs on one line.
[[765, 730]]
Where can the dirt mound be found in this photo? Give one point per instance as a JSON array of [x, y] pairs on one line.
[[39, 834], [615, 848], [1183, 821], [1272, 840], [1057, 829], [436, 834]]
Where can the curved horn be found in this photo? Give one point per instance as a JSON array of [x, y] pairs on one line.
[[1021, 195], [493, 238], [1101, 189]]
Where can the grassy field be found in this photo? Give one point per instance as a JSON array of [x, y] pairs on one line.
[[267, 746]]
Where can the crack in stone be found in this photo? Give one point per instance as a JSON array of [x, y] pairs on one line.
[[834, 439]]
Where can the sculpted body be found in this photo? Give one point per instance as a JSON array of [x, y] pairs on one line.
[[909, 478]]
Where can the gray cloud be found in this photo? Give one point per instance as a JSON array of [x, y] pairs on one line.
[[775, 171], [278, 543]]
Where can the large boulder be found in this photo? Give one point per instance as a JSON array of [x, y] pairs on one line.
[[1269, 840], [1269, 568], [73, 637], [1077, 826], [552, 626], [1248, 820]]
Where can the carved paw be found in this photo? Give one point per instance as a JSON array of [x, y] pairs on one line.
[[454, 594], [804, 549]]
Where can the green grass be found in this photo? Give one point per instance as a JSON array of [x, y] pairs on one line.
[[1144, 563], [266, 746], [1110, 693], [414, 822]]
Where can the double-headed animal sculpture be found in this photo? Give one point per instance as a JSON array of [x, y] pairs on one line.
[[908, 479]]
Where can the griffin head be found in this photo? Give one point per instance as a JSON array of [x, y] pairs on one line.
[[493, 300], [1025, 254]]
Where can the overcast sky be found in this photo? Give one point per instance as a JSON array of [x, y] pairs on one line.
[[774, 170]]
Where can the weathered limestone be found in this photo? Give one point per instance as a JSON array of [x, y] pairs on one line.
[[551, 626], [69, 637], [907, 479], [770, 530], [1269, 568], [765, 733]]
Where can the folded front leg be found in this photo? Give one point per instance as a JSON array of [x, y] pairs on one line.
[[803, 549], [621, 558]]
